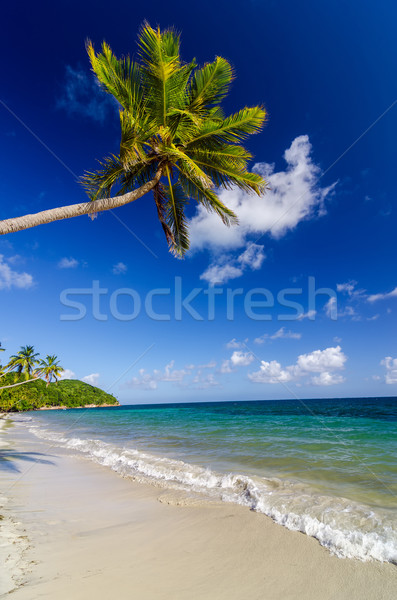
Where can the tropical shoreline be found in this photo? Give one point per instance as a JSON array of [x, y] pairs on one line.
[[76, 407], [91, 531]]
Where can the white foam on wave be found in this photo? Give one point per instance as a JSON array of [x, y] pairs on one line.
[[346, 528]]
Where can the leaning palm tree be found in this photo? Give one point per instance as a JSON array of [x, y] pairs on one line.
[[175, 138], [24, 361], [50, 368]]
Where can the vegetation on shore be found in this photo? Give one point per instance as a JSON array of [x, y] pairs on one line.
[[69, 393], [22, 386]]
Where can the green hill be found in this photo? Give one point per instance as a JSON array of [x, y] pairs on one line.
[[35, 394]]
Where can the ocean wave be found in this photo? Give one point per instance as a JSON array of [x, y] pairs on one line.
[[345, 528]]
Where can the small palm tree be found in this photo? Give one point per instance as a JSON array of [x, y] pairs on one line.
[[50, 368], [24, 361], [175, 138]]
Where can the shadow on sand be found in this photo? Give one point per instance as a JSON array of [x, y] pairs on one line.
[[8, 459]]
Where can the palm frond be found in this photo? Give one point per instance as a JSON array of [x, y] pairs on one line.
[[99, 184], [175, 217], [160, 199], [228, 172], [176, 155], [208, 198], [119, 77], [210, 84], [234, 128]]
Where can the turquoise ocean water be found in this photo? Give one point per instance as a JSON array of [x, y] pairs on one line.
[[327, 468]]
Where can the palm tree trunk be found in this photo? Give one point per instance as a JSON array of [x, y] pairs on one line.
[[75, 210], [15, 384]]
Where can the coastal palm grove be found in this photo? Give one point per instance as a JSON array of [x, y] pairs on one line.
[[28, 382], [176, 140], [27, 366]]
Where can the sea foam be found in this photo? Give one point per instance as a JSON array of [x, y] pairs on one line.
[[346, 528]]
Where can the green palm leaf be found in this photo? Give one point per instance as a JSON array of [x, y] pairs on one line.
[[176, 219], [210, 84]]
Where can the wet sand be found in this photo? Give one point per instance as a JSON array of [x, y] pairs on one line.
[[93, 534]]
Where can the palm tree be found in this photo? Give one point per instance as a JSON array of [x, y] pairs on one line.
[[24, 361], [50, 368], [175, 138]]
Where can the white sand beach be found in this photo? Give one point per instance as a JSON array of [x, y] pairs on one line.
[[93, 534]]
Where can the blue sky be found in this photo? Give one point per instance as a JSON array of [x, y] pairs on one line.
[[326, 75]]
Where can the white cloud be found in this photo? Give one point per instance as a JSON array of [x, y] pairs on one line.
[[13, 279], [226, 267], [241, 359], [220, 272], [329, 359], [203, 382], [310, 314], [67, 374], [350, 289], [91, 379], [225, 367], [119, 269], [322, 363], [294, 195], [68, 263], [15, 259], [376, 297], [281, 333], [331, 310], [170, 374], [326, 378], [83, 96], [149, 381], [252, 257], [391, 369], [144, 380], [271, 372], [233, 344]]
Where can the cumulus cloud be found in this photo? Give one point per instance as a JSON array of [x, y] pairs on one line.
[[9, 278], [271, 372], [119, 268], [68, 263], [391, 369], [237, 359], [376, 297], [320, 367], [241, 359], [67, 374], [92, 379], [83, 96], [294, 195], [281, 333], [226, 267], [330, 359], [327, 378]]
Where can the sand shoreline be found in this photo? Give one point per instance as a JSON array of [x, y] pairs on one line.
[[96, 535]]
